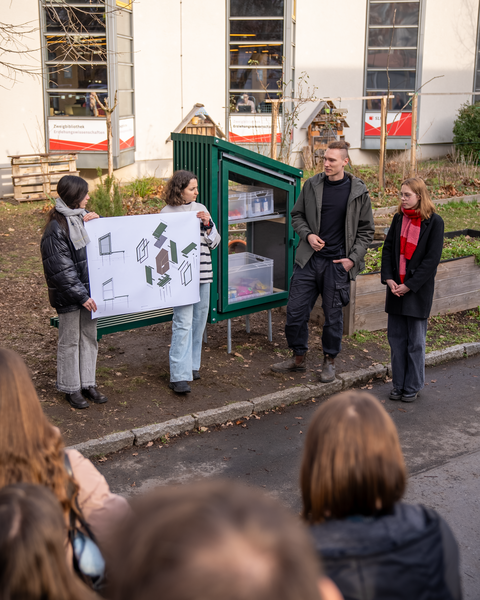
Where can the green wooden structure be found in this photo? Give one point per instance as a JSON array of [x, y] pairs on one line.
[[218, 165]]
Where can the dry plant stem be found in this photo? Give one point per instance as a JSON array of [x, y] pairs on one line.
[[108, 113]]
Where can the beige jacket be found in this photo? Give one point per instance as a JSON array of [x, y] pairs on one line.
[[102, 509]]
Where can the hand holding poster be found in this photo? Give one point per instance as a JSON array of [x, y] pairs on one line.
[[143, 262]]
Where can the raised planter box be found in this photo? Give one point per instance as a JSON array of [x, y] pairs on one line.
[[457, 287]]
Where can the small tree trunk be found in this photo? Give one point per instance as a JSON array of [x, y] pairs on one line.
[[383, 143], [109, 143], [413, 144], [108, 113], [273, 141]]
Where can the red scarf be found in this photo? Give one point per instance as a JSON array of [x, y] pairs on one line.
[[408, 238]]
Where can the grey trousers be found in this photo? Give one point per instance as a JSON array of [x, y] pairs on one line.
[[77, 351], [407, 337]]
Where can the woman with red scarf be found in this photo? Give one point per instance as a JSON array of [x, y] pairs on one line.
[[410, 258]]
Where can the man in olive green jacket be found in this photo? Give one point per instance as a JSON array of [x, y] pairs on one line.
[[334, 221]]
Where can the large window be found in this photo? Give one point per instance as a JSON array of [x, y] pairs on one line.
[[88, 57], [391, 59], [256, 54], [75, 57]]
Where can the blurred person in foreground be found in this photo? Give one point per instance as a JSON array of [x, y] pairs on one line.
[[32, 451], [372, 545], [215, 540], [33, 564]]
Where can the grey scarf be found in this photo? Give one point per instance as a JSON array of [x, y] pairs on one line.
[[78, 233]]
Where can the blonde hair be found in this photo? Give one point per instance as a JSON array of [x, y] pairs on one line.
[[352, 462], [426, 207]]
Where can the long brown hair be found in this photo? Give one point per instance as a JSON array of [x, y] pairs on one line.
[[352, 461], [425, 207], [31, 449], [33, 563]]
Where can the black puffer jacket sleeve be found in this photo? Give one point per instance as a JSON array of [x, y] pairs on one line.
[[65, 269]]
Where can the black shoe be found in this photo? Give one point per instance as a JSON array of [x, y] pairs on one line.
[[396, 394], [196, 375], [76, 400], [409, 397], [94, 395], [180, 387]]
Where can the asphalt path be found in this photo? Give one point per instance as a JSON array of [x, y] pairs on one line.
[[439, 433]]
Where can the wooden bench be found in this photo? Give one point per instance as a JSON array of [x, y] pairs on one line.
[[107, 325]]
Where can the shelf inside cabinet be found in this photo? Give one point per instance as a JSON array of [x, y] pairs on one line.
[[269, 217]]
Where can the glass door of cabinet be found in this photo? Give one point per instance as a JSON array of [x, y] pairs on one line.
[[257, 253]]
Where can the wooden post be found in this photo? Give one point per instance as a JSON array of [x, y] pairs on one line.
[[383, 142], [413, 146], [273, 141]]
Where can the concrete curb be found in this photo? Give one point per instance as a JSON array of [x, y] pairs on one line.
[[238, 410], [389, 210]]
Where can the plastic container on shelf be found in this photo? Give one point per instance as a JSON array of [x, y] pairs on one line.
[[249, 276], [259, 201], [237, 204]]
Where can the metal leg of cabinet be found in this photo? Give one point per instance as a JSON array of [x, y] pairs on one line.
[[270, 326], [247, 323], [229, 336]]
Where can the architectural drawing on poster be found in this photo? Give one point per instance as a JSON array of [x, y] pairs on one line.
[[153, 262]]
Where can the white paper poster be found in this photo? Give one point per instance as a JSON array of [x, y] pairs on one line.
[[143, 262]]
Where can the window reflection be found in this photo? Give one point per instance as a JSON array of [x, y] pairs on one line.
[[256, 79], [75, 20], [396, 59], [406, 13], [252, 102], [77, 76], [264, 31], [256, 8], [256, 54], [77, 104]]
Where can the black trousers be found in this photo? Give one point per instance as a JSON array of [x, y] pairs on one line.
[[320, 276]]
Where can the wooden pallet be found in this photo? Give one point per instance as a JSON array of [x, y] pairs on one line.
[[35, 176]]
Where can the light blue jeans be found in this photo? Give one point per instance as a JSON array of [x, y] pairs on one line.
[[188, 325], [77, 351]]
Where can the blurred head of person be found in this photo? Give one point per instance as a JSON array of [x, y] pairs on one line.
[[215, 541], [352, 461], [31, 449], [32, 547]]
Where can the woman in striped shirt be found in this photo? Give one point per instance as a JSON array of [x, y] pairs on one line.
[[189, 321]]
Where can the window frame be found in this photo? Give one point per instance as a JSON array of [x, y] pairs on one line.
[[286, 69], [112, 63], [393, 142]]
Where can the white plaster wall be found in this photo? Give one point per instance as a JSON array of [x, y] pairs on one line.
[[449, 50], [330, 45], [21, 115], [161, 72]]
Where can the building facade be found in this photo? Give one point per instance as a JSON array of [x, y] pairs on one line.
[[161, 57]]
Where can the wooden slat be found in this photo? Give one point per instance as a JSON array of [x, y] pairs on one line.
[[372, 321], [40, 178], [452, 304]]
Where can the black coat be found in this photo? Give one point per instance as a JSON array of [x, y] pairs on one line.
[[410, 554], [421, 269], [65, 269]]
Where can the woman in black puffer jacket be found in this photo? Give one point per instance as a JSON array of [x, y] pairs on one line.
[[64, 256], [372, 545]]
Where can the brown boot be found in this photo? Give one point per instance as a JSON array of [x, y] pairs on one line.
[[328, 369], [294, 364]]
